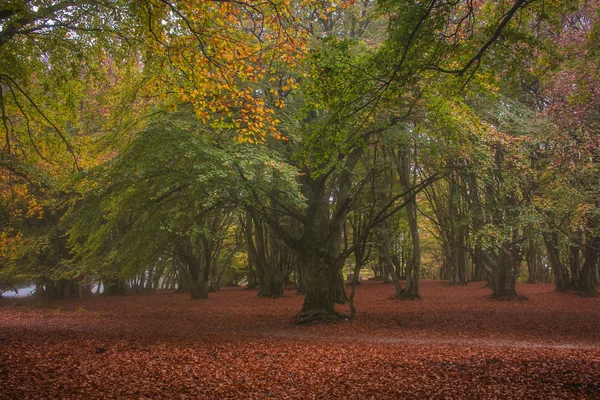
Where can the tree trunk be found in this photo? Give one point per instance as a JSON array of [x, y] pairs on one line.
[[560, 274], [532, 261], [478, 221], [271, 285], [198, 283], [321, 286], [198, 290], [462, 261], [251, 276], [587, 276], [503, 271], [413, 266], [115, 287], [268, 256], [575, 262], [194, 261], [504, 278], [388, 266]]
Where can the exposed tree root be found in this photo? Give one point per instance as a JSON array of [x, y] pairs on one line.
[[508, 297], [270, 295], [319, 317], [457, 284], [588, 293], [405, 296]]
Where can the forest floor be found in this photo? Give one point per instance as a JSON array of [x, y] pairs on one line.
[[453, 343]]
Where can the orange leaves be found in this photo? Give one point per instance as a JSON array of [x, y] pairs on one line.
[[219, 54], [451, 344]]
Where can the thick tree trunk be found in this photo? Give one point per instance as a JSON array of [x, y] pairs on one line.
[[198, 290], [591, 253], [271, 285], [195, 260], [504, 278], [317, 240], [321, 290], [319, 248], [503, 271]]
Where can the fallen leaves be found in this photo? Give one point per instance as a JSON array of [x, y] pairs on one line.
[[454, 343]]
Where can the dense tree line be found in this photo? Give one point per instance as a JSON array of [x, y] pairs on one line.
[[165, 144]]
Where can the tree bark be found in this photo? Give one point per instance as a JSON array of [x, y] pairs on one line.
[[586, 281], [321, 285], [388, 266], [561, 277], [532, 261], [413, 266]]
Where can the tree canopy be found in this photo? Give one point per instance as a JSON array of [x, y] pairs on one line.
[[193, 144]]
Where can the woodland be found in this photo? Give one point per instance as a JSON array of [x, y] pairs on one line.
[[245, 171]]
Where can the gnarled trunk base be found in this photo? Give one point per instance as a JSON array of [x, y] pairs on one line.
[[271, 286], [323, 288], [319, 317], [199, 291]]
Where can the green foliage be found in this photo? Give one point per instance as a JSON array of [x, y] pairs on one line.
[[174, 179]]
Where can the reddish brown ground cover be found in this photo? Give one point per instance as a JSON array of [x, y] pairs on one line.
[[453, 343]]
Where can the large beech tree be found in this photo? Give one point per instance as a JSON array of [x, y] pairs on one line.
[[307, 126]]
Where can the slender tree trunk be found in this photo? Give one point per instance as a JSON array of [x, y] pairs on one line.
[[560, 274], [462, 261], [413, 266], [575, 261], [198, 284], [532, 261], [587, 276], [478, 222], [251, 277], [387, 261]]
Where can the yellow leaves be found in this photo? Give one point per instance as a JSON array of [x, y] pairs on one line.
[[10, 242], [218, 55]]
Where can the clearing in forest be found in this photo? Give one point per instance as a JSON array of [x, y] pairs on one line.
[[453, 343]]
